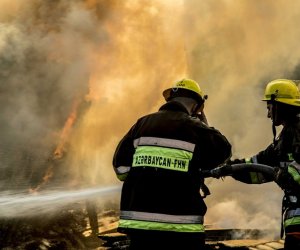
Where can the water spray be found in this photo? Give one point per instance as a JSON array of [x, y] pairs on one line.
[[20, 204]]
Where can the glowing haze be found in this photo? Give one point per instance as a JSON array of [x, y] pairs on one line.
[[75, 75]]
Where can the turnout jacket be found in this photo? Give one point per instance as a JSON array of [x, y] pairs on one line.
[[160, 161], [283, 153]]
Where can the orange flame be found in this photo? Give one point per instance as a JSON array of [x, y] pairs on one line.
[[60, 148], [45, 179]]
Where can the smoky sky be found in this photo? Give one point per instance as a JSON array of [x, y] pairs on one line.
[[108, 62]]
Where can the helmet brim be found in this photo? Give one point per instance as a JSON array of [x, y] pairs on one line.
[[170, 93], [292, 102]]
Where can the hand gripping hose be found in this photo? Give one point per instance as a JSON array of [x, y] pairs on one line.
[[234, 168]]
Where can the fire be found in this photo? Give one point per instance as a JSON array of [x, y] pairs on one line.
[[60, 149], [45, 179]]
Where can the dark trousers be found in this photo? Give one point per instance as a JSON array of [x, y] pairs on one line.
[[161, 240], [292, 242]]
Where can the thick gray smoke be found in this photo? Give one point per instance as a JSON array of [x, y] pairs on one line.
[[75, 75], [39, 81]]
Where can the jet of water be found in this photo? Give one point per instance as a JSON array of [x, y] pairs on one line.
[[19, 204]]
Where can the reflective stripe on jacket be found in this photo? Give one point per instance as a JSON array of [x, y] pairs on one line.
[[292, 217], [159, 160], [162, 222], [163, 153]]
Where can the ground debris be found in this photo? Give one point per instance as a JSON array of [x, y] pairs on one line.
[[217, 239], [64, 230], [75, 228]]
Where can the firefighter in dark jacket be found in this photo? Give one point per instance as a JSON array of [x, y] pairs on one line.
[[160, 161], [283, 104]]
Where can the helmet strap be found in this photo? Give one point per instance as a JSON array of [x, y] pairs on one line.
[[274, 116], [274, 132]]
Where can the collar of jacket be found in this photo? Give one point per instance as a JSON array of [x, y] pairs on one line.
[[174, 106]]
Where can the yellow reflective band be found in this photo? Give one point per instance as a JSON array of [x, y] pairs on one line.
[[294, 173], [122, 177], [290, 156], [148, 225], [295, 165], [292, 221], [292, 213], [166, 158]]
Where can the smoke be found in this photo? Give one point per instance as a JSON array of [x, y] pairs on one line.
[[233, 204], [234, 49], [105, 63]]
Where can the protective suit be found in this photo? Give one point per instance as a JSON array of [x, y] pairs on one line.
[[160, 161]]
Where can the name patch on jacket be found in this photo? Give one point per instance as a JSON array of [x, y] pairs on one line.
[[167, 158]]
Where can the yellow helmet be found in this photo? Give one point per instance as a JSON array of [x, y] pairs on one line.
[[284, 91], [190, 85]]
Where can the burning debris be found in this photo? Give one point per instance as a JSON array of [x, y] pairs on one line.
[[61, 148]]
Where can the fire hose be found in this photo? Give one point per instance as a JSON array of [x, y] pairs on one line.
[[234, 168], [229, 170]]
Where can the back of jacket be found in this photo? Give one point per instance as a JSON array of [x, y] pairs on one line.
[[160, 160]]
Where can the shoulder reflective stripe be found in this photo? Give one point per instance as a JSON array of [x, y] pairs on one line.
[[294, 173], [180, 219], [122, 169], [166, 158], [292, 213], [164, 142], [146, 225], [296, 165], [292, 221]]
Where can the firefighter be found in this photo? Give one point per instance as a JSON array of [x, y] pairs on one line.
[[283, 105], [160, 161]]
